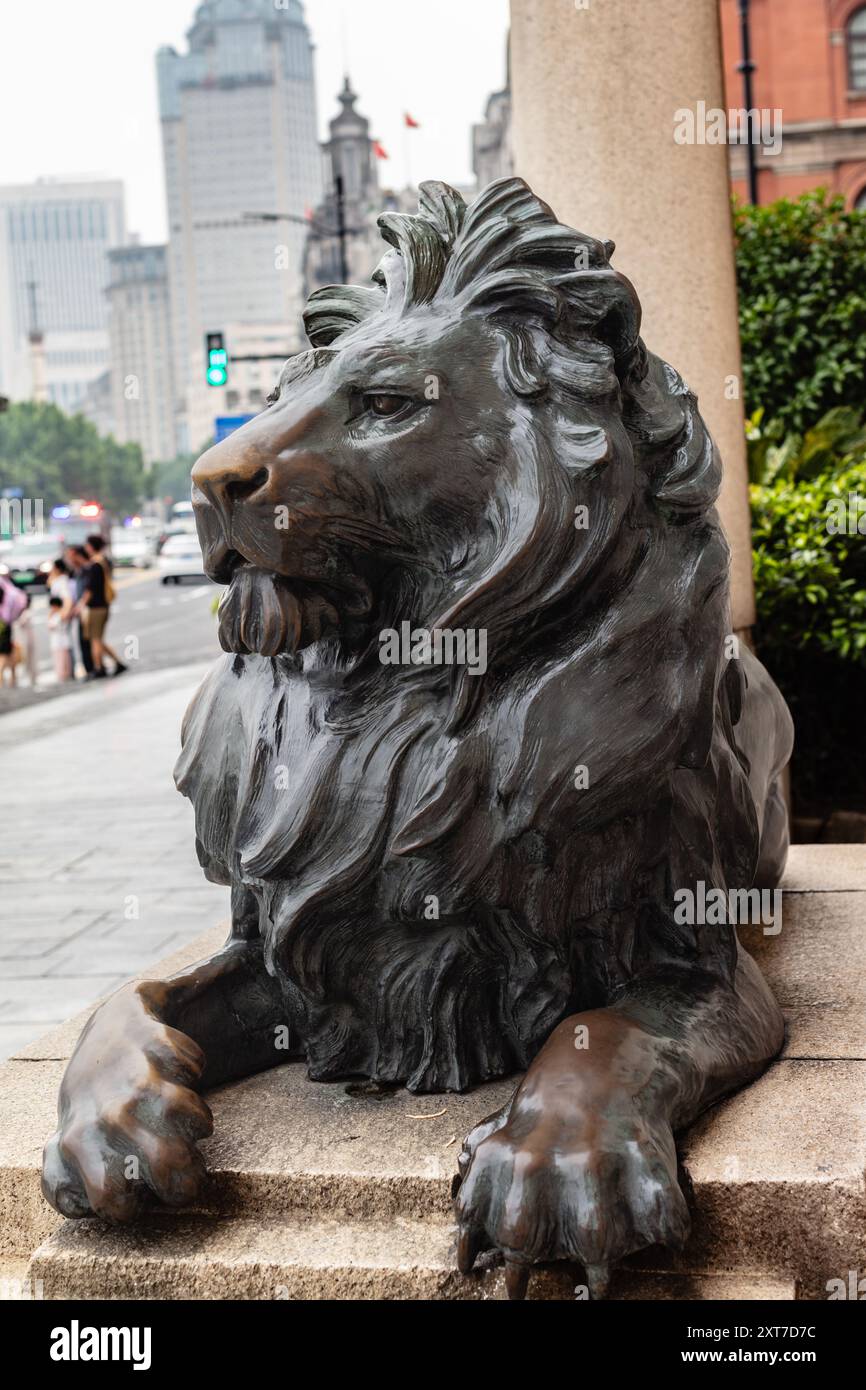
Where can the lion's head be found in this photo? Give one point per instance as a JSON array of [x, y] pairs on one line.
[[461, 445]]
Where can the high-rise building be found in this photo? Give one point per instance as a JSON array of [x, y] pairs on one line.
[[238, 115], [54, 236], [139, 322]]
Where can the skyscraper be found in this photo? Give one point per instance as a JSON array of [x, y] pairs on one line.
[[238, 117], [142, 386], [54, 236]]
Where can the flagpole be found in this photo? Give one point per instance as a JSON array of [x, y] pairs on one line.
[[407, 159], [409, 124]]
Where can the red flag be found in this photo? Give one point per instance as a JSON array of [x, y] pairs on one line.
[[411, 122], [379, 150]]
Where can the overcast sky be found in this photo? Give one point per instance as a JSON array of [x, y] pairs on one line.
[[78, 88]]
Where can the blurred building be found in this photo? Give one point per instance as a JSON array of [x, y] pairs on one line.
[[810, 63], [97, 404], [54, 236], [492, 155], [347, 154], [139, 320], [238, 115]]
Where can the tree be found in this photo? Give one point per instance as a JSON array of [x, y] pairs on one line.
[[172, 479], [801, 275], [55, 457]]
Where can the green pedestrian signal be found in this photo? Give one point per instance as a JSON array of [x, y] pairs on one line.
[[217, 372]]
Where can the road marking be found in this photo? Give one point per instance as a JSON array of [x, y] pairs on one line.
[[130, 578], [195, 593]]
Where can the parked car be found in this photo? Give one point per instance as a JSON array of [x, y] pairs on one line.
[[179, 557], [28, 561]]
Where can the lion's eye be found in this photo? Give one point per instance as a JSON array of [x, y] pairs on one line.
[[385, 404]]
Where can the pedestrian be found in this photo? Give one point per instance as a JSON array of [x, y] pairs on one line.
[[60, 639], [60, 586], [12, 605], [25, 640], [94, 607], [77, 562]]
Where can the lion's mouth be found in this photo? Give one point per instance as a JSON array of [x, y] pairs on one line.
[[260, 614]]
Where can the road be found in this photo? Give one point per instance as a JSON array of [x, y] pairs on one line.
[[152, 627]]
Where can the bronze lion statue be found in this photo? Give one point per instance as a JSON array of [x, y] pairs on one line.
[[444, 872]]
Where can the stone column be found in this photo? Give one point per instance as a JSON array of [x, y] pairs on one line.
[[596, 85]]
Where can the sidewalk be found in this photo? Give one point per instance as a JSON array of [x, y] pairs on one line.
[[98, 872]]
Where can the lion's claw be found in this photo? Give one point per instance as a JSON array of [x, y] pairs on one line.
[[470, 1244], [516, 1279], [572, 1186], [129, 1118], [598, 1280]]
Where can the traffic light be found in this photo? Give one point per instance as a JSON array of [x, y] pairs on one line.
[[217, 371]]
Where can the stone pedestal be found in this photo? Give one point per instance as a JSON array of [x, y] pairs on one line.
[[338, 1191], [595, 89]]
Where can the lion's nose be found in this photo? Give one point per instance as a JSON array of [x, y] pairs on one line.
[[230, 472]]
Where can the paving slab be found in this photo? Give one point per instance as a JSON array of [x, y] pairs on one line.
[[73, 866], [816, 967], [825, 869]]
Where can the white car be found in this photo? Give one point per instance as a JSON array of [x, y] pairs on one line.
[[131, 547], [180, 557]]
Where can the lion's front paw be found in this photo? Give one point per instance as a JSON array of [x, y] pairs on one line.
[[129, 1118], [580, 1186]]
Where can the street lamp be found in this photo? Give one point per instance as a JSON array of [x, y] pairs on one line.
[[341, 231]]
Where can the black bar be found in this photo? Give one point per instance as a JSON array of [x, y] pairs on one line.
[[188, 1342]]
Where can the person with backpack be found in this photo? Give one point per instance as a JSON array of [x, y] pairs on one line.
[[12, 605], [94, 607]]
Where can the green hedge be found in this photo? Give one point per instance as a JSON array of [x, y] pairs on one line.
[[810, 573], [810, 579], [801, 277]]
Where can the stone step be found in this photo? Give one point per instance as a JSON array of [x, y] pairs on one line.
[[776, 1172], [303, 1258]]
